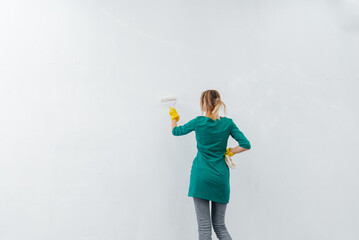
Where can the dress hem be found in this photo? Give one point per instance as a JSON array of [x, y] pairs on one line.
[[206, 198]]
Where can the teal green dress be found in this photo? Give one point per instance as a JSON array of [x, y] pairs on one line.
[[209, 173]]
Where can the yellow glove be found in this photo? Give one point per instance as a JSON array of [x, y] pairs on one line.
[[228, 152], [174, 114]]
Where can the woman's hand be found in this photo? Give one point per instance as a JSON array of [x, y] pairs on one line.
[[174, 115], [229, 153]]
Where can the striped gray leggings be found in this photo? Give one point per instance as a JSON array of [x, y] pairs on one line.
[[204, 219]]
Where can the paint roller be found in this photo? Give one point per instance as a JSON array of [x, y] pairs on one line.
[[170, 99]]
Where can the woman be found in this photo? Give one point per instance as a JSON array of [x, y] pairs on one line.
[[209, 179]]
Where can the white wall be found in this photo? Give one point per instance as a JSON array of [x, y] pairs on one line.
[[86, 146]]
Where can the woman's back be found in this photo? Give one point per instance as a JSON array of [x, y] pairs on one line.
[[212, 136], [209, 173]]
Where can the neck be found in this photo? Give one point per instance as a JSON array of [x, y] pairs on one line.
[[209, 114]]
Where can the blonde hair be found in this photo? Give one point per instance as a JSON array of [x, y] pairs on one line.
[[211, 102]]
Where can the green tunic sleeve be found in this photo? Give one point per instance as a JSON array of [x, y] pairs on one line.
[[185, 129], [239, 137]]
